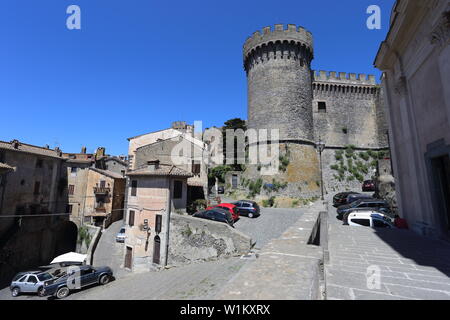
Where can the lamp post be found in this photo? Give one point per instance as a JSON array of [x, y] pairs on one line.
[[320, 146]]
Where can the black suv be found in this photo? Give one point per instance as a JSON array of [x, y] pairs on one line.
[[248, 208], [216, 214], [372, 204], [340, 199], [76, 278]]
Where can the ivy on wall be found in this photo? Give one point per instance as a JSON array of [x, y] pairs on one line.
[[351, 165]]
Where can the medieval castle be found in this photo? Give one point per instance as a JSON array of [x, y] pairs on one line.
[[344, 111]]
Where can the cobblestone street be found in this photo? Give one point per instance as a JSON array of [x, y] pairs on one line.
[[411, 266]]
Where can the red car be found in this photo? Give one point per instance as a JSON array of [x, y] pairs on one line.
[[230, 207], [368, 185]]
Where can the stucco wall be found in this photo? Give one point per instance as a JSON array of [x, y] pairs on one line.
[[417, 94]]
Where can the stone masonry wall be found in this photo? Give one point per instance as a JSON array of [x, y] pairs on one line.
[[194, 239]]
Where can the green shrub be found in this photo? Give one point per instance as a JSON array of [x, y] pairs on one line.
[[364, 155], [269, 202]]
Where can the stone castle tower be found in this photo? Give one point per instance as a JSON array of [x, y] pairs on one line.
[[285, 94]]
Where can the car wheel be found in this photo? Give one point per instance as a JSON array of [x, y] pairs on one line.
[[15, 292], [345, 219], [40, 292], [62, 292], [250, 215], [104, 279]]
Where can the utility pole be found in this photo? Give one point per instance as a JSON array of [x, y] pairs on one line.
[[167, 220], [320, 147]]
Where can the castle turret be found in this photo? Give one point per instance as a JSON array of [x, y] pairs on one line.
[[277, 63], [279, 81]]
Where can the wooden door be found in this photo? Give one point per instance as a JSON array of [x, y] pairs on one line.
[[128, 257], [156, 249]]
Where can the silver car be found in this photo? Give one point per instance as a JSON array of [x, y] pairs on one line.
[[121, 235], [29, 282]]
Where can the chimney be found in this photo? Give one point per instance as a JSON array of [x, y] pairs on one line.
[[152, 165], [15, 144], [100, 152], [83, 150]]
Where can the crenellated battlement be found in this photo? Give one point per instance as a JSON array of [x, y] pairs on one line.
[[291, 33], [343, 77]]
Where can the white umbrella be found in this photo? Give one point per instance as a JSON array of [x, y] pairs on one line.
[[69, 257]]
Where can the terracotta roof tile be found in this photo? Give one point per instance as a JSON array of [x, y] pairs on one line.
[[162, 170], [28, 148]]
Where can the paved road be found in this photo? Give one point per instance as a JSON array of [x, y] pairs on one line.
[[195, 281], [109, 252], [410, 266], [269, 225]]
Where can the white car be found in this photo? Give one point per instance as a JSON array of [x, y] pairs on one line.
[[372, 219], [121, 235]]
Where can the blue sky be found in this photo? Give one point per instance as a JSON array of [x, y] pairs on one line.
[[137, 65]]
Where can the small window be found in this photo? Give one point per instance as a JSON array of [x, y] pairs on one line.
[[361, 222], [158, 221], [69, 208], [322, 106], [131, 218], [133, 188], [37, 187], [73, 170], [71, 189], [39, 163], [196, 167], [32, 279], [102, 183], [177, 189]]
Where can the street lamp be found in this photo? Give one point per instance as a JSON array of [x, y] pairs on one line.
[[320, 146]]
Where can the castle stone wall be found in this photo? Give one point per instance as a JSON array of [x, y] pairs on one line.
[[279, 82], [353, 114]]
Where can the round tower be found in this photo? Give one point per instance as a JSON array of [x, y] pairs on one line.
[[277, 63], [280, 96]]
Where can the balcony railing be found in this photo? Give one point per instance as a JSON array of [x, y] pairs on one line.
[[100, 209], [102, 190]]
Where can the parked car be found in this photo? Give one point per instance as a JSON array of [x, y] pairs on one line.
[[373, 204], [368, 186], [341, 198], [216, 214], [120, 237], [220, 189], [356, 196], [369, 219], [29, 282], [229, 207], [87, 275], [248, 208]]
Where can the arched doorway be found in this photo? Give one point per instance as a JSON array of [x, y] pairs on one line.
[[156, 249]]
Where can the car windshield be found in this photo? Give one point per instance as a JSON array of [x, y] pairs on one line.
[[122, 230], [355, 203], [18, 276], [44, 276]]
